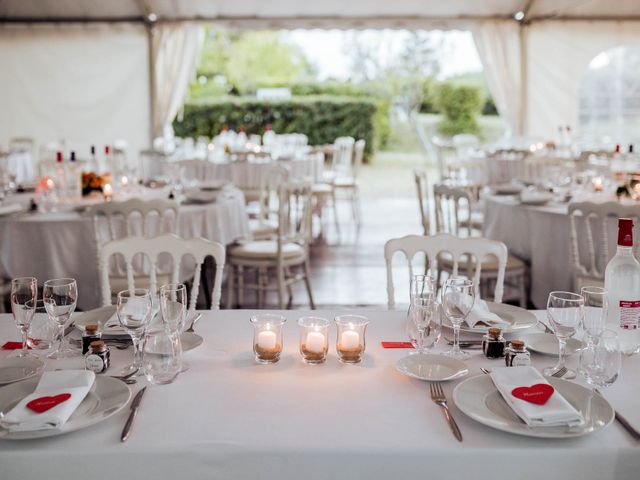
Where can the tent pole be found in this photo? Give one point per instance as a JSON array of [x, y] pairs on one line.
[[524, 80], [152, 81]]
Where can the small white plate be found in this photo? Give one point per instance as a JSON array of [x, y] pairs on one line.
[[507, 189], [433, 368], [190, 341], [14, 369], [106, 397], [547, 344], [518, 319], [535, 198], [478, 398], [213, 185]]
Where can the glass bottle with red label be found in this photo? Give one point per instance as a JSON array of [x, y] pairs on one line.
[[622, 282]]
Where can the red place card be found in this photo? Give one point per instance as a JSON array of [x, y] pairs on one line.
[[43, 404], [540, 393], [397, 345], [13, 346]]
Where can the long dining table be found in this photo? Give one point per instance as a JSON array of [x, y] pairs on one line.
[[229, 418]]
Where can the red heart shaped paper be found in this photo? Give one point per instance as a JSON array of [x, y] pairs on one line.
[[43, 404], [539, 393]]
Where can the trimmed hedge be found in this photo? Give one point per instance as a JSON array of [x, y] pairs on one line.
[[321, 118], [460, 107]]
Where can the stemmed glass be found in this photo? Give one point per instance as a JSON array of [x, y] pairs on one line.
[[596, 305], [457, 300], [24, 292], [422, 286], [601, 360], [134, 314], [173, 305], [566, 315], [60, 296]]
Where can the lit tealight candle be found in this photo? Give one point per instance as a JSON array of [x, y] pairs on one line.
[[50, 184], [597, 184], [107, 191], [267, 340], [124, 181], [350, 340], [314, 342]]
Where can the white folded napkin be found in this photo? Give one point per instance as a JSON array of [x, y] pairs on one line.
[[480, 313], [557, 410], [77, 383]]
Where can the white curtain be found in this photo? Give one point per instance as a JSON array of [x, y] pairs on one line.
[[176, 51], [498, 44]]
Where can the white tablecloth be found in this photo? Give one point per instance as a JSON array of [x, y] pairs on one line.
[[62, 244], [229, 418], [249, 174]]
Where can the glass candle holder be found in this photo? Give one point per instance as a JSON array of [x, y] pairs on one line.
[[267, 337], [314, 339], [350, 343]]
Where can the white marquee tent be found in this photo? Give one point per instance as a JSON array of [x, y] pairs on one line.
[[100, 70]]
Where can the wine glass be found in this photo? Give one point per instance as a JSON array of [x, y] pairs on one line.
[[600, 361], [134, 314], [426, 323], [173, 305], [24, 291], [60, 296], [457, 300], [566, 315], [596, 305]]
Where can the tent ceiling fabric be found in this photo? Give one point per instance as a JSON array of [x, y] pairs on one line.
[[292, 13]]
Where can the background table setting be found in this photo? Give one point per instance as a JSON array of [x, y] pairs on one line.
[[228, 416]]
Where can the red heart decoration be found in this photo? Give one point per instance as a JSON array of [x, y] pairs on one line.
[[538, 393], [43, 404]]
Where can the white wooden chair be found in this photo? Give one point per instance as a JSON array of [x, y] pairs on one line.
[[265, 226], [130, 218], [480, 250], [152, 248], [454, 215], [289, 250], [594, 229], [422, 189], [346, 178], [537, 169]]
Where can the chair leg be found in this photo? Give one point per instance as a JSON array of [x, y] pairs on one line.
[[289, 290], [259, 290], [523, 291], [240, 285], [230, 286], [307, 284], [335, 213], [280, 287]]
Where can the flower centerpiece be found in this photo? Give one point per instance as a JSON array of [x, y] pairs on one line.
[[92, 182]]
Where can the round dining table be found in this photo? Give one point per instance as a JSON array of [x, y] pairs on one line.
[[63, 243]]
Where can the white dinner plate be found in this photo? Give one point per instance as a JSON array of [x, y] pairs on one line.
[[14, 369], [106, 397], [547, 344], [507, 188], [478, 398], [433, 368], [213, 185], [535, 198], [197, 196], [518, 319]]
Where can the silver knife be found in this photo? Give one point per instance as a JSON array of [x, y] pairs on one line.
[[134, 410]]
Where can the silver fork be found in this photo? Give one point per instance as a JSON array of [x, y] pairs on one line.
[[437, 395]]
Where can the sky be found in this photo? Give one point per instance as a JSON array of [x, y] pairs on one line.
[[326, 50]]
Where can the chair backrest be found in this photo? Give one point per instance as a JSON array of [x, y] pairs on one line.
[[540, 168], [341, 162], [358, 156], [294, 214], [594, 237], [276, 175], [176, 247], [474, 250], [22, 144], [453, 206], [151, 164], [422, 189]]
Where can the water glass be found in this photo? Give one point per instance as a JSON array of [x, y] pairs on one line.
[[24, 291], [457, 301], [425, 322], [60, 297], [351, 344], [162, 360], [42, 336], [267, 337], [422, 285], [601, 360], [134, 313], [173, 304], [596, 306], [566, 314]]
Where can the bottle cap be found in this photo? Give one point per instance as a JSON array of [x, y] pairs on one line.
[[93, 149], [73, 156], [97, 346], [58, 157], [107, 149], [494, 332], [91, 329], [517, 344], [617, 148], [625, 232]]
